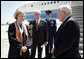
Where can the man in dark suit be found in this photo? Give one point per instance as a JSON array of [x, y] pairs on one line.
[[51, 31], [39, 34], [67, 36]]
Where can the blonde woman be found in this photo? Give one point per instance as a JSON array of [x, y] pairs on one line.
[[18, 37]]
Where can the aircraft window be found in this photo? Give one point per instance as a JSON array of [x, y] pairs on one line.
[[54, 2], [51, 2], [42, 3], [48, 3], [57, 1], [45, 3], [31, 5]]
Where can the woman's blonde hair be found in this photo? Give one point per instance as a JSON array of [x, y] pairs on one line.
[[18, 13]]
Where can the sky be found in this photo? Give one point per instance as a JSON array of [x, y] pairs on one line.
[[8, 8]]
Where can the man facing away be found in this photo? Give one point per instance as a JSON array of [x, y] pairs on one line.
[[67, 37]]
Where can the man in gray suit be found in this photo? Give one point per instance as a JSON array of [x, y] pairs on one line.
[[39, 34]]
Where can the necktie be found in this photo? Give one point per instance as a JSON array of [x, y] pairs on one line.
[[37, 25]]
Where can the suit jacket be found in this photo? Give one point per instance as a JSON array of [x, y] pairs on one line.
[[15, 46], [67, 39], [40, 36]]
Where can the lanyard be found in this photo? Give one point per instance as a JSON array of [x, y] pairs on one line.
[[19, 31]]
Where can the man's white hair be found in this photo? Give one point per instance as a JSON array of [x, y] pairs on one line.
[[65, 8], [38, 11]]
